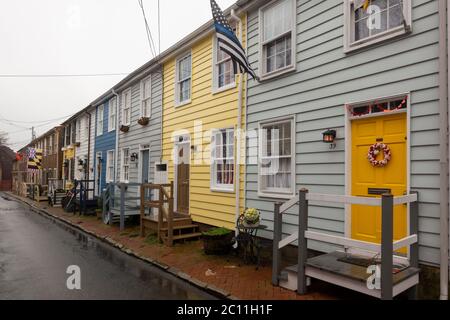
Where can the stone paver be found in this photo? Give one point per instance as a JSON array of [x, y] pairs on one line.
[[224, 275]]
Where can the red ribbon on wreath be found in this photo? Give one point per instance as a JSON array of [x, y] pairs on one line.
[[375, 150]]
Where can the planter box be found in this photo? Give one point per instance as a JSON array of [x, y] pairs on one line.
[[144, 121], [217, 245]]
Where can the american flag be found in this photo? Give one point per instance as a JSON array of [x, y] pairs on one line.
[[229, 43]]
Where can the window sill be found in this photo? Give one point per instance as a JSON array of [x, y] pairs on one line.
[[275, 196], [391, 34], [222, 189], [182, 104], [230, 86], [278, 73]]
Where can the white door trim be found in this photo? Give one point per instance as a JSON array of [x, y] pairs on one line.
[[142, 148], [348, 158]]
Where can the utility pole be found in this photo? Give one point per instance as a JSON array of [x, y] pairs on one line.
[[33, 134]]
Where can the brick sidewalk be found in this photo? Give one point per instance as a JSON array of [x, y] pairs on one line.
[[226, 275]]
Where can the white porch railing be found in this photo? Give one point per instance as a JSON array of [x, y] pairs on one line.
[[387, 247]]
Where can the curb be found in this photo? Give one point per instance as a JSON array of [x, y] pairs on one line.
[[209, 288]]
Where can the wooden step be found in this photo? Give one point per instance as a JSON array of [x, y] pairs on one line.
[[186, 236], [188, 226]]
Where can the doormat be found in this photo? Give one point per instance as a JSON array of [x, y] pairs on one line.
[[367, 262]]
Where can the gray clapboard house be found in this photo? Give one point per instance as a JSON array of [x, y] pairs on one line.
[[139, 135], [324, 67]]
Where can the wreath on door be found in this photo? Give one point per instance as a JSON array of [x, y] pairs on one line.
[[375, 150]]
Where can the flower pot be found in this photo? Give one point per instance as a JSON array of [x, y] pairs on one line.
[[144, 121], [217, 244], [124, 128], [251, 224]]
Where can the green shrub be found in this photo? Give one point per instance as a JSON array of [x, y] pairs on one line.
[[217, 232]]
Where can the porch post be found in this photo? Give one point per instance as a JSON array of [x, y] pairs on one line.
[[104, 197], [143, 206], [387, 247], [122, 207], [302, 242], [414, 249], [277, 230], [112, 189]]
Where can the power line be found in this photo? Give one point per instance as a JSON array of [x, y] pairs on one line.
[[62, 75], [147, 29], [35, 122]]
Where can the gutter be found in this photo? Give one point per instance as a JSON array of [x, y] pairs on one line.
[[444, 119], [116, 153], [87, 175]]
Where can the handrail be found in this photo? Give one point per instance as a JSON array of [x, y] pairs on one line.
[[387, 247], [165, 215], [343, 199]]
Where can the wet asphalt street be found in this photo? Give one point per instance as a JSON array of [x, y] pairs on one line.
[[35, 253]]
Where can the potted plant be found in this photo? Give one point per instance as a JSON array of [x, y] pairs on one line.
[[144, 121], [217, 241], [124, 128], [252, 218]]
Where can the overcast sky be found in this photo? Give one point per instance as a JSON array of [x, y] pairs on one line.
[[77, 37]]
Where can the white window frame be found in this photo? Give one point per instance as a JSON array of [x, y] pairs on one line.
[[179, 103], [349, 28], [277, 193], [146, 99], [112, 114], [124, 109], [216, 88], [264, 75], [78, 130], [215, 187], [86, 129], [123, 177], [100, 119], [110, 156]]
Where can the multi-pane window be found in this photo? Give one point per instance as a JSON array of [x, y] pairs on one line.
[[125, 176], [55, 143], [74, 132], [78, 137], [222, 159], [380, 20], [126, 103], [110, 166], [112, 114], [223, 68], [276, 164], [100, 115], [389, 16], [146, 97], [86, 128], [184, 78], [278, 34], [50, 145]]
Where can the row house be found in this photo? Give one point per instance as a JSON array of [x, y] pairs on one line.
[[204, 114], [325, 68]]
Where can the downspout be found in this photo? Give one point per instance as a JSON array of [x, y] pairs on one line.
[[89, 148], [239, 124], [444, 151], [116, 153]]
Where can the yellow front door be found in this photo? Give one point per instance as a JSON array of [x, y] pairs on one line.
[[367, 180]]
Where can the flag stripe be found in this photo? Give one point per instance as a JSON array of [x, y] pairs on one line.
[[232, 48], [229, 43], [230, 51]]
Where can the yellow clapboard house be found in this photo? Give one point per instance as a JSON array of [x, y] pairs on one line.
[[203, 112]]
